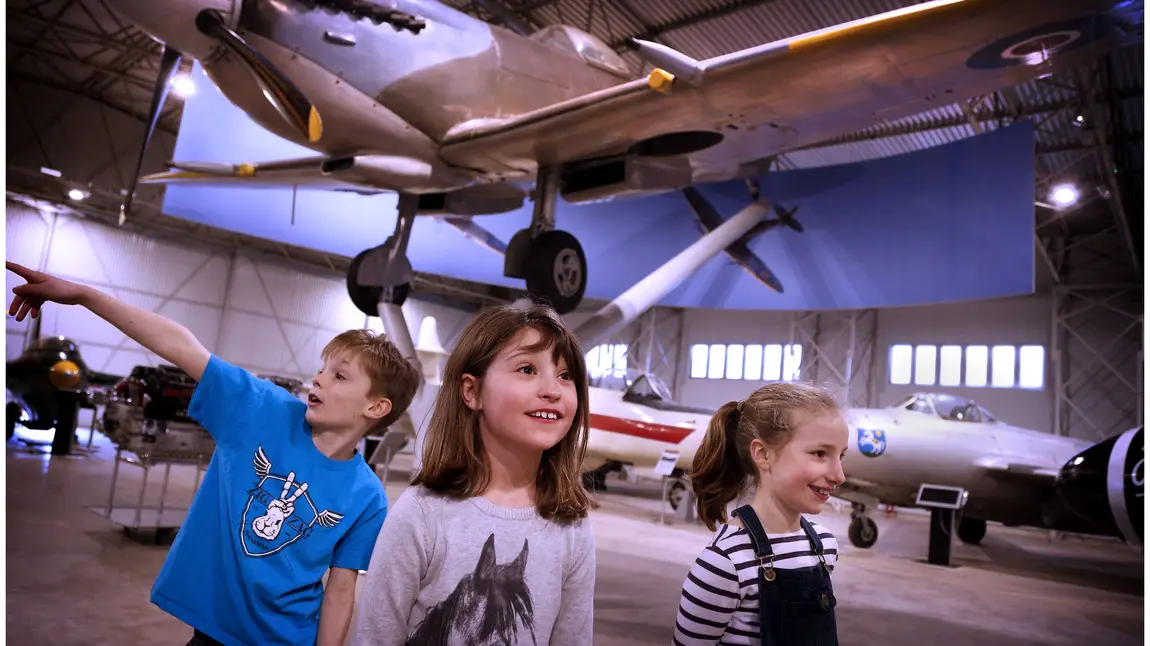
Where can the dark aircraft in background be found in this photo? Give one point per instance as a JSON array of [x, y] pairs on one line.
[[48, 385]]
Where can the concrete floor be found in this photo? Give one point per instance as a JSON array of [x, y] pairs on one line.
[[73, 577]]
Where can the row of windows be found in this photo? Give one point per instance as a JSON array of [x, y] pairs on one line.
[[772, 362], [607, 360], [972, 366]]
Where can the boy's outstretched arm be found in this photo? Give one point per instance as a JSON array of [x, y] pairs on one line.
[[338, 606], [173, 342]]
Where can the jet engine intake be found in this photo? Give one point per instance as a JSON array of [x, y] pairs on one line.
[[1100, 490]]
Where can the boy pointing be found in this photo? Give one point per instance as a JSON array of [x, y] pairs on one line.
[[286, 496]]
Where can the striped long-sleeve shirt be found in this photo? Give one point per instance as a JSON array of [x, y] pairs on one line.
[[720, 598]]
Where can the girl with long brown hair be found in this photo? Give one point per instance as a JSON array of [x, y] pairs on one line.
[[491, 542], [765, 577]]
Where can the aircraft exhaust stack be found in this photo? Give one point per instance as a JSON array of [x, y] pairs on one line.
[[631, 304]]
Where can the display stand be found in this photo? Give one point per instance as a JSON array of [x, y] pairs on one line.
[[161, 520], [944, 503]]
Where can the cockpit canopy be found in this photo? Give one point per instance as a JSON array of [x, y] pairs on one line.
[[649, 390], [948, 407], [589, 48], [648, 387]]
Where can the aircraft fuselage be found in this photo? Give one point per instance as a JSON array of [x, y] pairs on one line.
[[381, 90], [923, 449]]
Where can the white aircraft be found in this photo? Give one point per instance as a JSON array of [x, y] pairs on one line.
[[1011, 475]]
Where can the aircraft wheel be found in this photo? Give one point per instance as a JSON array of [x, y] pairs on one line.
[[557, 270], [366, 299], [971, 530], [12, 416], [863, 532], [675, 493]]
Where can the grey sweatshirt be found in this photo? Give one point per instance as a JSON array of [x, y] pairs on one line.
[[447, 572]]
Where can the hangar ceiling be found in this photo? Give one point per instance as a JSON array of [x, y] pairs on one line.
[[80, 80]]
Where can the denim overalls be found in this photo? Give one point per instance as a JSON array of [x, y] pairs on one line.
[[796, 607]]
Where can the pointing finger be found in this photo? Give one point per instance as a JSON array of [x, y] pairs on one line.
[[20, 270]]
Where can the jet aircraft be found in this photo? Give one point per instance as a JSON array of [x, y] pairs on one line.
[[463, 118], [1011, 475]]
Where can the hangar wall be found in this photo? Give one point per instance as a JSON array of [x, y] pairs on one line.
[[265, 314]]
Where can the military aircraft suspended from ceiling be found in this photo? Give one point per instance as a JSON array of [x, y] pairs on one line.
[[462, 118]]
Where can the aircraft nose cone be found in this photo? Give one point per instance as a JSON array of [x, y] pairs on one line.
[[173, 22]]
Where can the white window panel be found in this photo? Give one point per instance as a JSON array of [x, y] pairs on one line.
[[734, 361], [618, 366], [772, 362], [925, 364], [607, 360], [977, 362], [901, 364], [699, 361], [753, 366], [718, 353], [1002, 366], [593, 361], [1031, 366], [950, 365], [792, 362]]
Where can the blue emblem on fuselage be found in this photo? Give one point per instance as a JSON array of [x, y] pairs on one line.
[[872, 442]]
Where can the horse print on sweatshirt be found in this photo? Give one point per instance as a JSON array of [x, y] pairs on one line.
[[487, 607]]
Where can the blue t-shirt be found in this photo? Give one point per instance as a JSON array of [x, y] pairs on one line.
[[271, 516]]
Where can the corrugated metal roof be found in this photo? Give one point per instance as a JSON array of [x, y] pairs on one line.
[[770, 21]]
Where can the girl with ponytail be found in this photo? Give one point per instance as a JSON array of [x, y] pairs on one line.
[[766, 573]]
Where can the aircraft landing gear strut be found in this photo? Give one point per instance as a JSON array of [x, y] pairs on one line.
[[551, 261], [384, 273], [863, 531]]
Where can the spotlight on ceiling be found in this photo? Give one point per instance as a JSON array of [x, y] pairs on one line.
[[76, 194], [1064, 195], [183, 85]]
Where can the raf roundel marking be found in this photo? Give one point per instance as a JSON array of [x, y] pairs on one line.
[[1036, 46]]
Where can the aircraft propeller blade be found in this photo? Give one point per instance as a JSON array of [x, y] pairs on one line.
[[284, 96], [169, 61]]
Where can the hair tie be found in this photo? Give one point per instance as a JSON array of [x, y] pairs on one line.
[[739, 406]]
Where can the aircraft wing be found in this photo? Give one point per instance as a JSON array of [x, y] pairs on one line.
[[805, 90], [303, 171], [745, 258]]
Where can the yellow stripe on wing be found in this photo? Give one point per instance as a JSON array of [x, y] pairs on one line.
[[886, 19]]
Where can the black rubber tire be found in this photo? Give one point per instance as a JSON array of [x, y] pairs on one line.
[[971, 530], [11, 417], [366, 299], [675, 493], [863, 532], [550, 248]]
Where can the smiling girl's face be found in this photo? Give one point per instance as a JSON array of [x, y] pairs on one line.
[[526, 400], [805, 470]]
